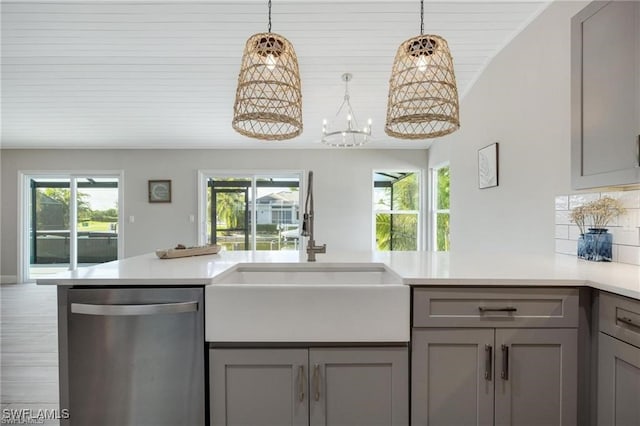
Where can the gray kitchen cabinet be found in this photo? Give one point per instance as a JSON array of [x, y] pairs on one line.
[[536, 377], [618, 383], [605, 94], [482, 376], [509, 357], [359, 386], [618, 361], [452, 377], [259, 387], [315, 386]]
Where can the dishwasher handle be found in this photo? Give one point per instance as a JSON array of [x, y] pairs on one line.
[[129, 310]]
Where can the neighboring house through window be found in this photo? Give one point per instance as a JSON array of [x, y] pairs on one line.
[[250, 211]]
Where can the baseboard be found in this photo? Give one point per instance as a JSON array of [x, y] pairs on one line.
[[8, 279]]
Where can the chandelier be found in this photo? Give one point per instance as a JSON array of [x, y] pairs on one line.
[[333, 134], [423, 97], [268, 104]]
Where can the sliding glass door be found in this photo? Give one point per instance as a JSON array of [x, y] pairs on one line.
[[71, 221], [251, 211]]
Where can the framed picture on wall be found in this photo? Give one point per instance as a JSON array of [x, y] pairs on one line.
[[160, 191], [488, 166]]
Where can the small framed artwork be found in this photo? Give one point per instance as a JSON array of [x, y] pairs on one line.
[[159, 191], [488, 166]]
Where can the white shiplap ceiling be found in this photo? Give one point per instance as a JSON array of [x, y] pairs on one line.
[[143, 74]]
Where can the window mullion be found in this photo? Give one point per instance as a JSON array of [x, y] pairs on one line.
[[254, 214], [73, 224]]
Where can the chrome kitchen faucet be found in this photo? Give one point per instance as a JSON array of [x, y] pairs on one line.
[[307, 224]]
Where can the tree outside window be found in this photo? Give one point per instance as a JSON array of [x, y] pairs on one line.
[[396, 210], [441, 213]]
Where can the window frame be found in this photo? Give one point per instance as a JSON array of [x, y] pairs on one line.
[[203, 187], [420, 237], [433, 204]]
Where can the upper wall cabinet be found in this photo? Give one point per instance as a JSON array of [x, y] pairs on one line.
[[605, 95]]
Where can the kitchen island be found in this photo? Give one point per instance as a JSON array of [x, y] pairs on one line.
[[543, 308]]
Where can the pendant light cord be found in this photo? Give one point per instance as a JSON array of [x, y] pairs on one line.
[[269, 15], [421, 16]]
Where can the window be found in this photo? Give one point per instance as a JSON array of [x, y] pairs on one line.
[[440, 208], [246, 211], [396, 210], [70, 221]]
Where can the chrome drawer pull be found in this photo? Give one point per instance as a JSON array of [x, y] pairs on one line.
[[497, 309], [628, 321]]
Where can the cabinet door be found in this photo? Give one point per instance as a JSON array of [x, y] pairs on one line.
[[452, 377], [359, 387], [618, 383], [259, 387], [536, 377], [605, 92]]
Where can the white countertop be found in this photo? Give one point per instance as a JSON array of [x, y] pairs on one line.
[[416, 268]]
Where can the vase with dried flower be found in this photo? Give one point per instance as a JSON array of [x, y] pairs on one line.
[[596, 243]]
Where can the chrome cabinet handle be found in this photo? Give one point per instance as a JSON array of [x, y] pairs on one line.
[[628, 321], [505, 362], [123, 310], [488, 350], [301, 383], [497, 309], [316, 381]]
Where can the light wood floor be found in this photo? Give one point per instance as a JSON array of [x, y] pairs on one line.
[[28, 348]]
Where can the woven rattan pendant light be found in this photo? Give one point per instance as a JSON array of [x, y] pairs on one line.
[[423, 97], [268, 103]]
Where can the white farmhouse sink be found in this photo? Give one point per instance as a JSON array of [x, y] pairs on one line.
[[303, 302], [307, 274]]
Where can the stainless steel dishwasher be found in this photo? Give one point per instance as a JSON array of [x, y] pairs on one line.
[[134, 357]]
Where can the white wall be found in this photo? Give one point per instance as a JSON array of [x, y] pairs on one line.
[[342, 189], [521, 101]]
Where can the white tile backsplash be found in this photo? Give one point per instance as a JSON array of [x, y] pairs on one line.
[[562, 232], [626, 236], [577, 200], [562, 217], [630, 199], [631, 219], [574, 232], [566, 246], [629, 254], [624, 229], [562, 202]]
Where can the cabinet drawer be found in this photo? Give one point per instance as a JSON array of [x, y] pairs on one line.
[[495, 307], [620, 317]]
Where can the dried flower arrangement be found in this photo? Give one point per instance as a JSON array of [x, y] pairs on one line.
[[596, 214]]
